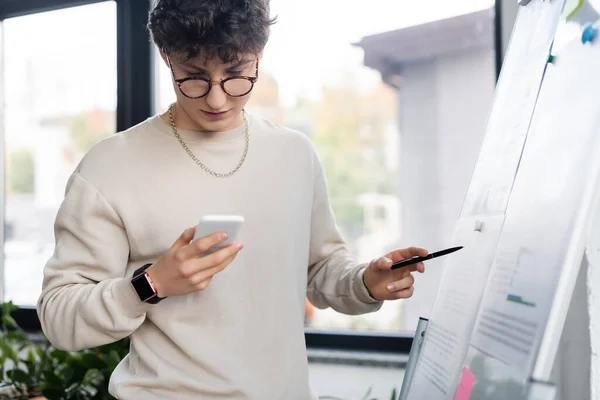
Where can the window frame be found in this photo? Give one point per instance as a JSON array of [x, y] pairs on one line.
[[135, 89]]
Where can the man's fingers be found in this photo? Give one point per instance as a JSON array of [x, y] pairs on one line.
[[205, 243], [208, 273], [203, 284], [214, 261], [401, 284], [383, 263], [418, 251], [405, 294], [222, 255], [201, 245], [418, 267], [185, 237], [409, 252]]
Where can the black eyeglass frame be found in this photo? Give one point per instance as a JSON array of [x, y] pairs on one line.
[[210, 82]]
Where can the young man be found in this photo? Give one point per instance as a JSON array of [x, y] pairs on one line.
[[228, 325]]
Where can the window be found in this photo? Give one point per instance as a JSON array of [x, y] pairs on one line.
[[395, 96], [60, 94], [389, 98]]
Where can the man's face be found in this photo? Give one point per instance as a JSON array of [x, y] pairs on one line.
[[217, 110]]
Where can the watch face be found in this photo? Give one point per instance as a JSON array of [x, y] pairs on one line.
[[143, 287]]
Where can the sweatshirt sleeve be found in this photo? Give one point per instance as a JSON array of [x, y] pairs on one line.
[[86, 300], [335, 278]]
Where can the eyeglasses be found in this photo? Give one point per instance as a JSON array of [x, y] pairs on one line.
[[195, 87]]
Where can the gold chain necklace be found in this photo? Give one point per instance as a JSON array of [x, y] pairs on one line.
[[200, 164]]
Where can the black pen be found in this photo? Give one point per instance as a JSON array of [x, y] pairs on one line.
[[417, 259]]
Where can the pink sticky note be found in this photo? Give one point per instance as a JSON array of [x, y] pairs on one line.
[[465, 386]]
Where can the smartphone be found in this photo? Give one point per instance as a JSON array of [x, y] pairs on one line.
[[209, 224]]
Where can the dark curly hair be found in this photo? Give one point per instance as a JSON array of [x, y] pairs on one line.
[[210, 28]]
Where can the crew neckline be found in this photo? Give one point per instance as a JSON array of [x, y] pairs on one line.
[[200, 137]]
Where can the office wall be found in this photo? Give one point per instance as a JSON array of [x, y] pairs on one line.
[[444, 104]]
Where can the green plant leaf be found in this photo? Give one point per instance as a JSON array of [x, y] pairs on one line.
[[52, 380], [60, 355], [41, 351], [79, 370], [8, 307], [31, 356], [29, 366], [19, 376], [113, 359], [57, 374], [394, 395], [53, 393], [67, 373], [8, 351], [23, 346], [9, 322], [16, 336], [366, 396], [91, 360], [93, 377]]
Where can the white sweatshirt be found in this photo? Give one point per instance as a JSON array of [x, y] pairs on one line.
[[241, 338]]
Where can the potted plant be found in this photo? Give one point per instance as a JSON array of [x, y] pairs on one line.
[[33, 369]]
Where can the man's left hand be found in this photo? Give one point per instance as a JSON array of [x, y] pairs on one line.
[[385, 284]]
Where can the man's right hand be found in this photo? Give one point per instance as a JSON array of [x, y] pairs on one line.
[[183, 269]]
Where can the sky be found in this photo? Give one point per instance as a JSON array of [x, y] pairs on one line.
[[73, 63], [324, 30]]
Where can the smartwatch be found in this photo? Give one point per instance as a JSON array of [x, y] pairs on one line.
[[144, 287]]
